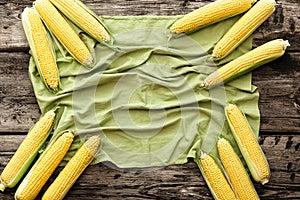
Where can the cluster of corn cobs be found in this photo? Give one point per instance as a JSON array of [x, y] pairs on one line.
[[44, 23], [35, 174], [255, 13], [226, 176]]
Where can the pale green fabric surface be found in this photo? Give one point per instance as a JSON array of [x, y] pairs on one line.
[[142, 95]]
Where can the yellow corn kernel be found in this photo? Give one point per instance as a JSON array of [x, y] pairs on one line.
[[248, 144], [236, 172], [63, 31], [215, 179], [82, 18], [247, 62], [44, 167], [26, 152], [244, 27], [73, 169], [211, 13]]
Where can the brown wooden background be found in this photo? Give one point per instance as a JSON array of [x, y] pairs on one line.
[[278, 83]]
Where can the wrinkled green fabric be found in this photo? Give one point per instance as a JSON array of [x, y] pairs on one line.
[[142, 97]]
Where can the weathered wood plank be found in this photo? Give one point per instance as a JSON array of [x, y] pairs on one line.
[[101, 181], [278, 83], [19, 109], [279, 87], [284, 23]]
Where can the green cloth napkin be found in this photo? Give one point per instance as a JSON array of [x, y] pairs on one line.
[[142, 97]]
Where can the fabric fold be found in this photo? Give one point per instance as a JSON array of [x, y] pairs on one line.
[[142, 96]]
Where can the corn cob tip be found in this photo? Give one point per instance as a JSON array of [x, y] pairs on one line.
[[93, 143], [216, 55], [221, 140], [230, 107], [89, 60], [285, 44], [264, 181], [51, 113], [202, 155], [2, 187], [106, 37], [202, 85], [69, 134]]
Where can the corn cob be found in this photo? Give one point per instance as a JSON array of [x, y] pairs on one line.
[[215, 179], [63, 32], [39, 43], [70, 173], [211, 13], [82, 17], [236, 172], [26, 152], [248, 145], [244, 27], [247, 62], [44, 167]]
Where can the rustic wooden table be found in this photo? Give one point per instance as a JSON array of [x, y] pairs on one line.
[[278, 83]]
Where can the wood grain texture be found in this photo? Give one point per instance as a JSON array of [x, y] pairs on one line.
[[279, 87], [284, 23], [102, 181]]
